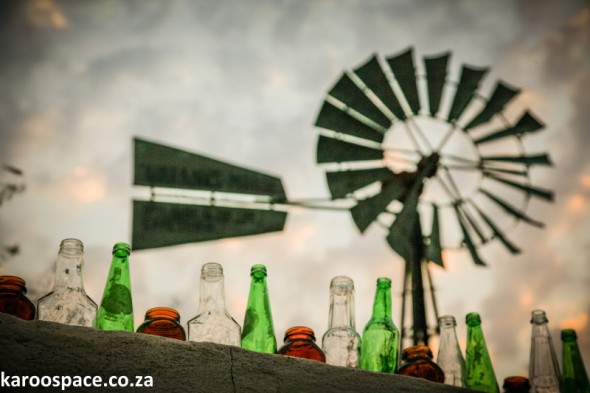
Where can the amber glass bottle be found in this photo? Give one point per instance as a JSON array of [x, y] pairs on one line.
[[417, 362], [516, 385], [300, 343], [13, 299], [162, 321]]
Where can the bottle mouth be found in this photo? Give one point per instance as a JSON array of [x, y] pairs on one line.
[[538, 316], [120, 249], [516, 382], [71, 244], [473, 319], [416, 351], [342, 285], [384, 282], [299, 332], [258, 271], [212, 271], [447, 321], [13, 283], [568, 334], [162, 313]]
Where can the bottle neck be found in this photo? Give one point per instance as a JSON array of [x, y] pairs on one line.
[[68, 273], [258, 299], [382, 303], [212, 294], [341, 308], [416, 352], [543, 360], [448, 337], [13, 284]]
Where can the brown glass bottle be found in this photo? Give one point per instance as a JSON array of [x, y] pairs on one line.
[[162, 321], [13, 299], [516, 384], [300, 343], [417, 362]]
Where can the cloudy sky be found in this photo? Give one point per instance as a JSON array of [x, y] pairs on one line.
[[243, 82]]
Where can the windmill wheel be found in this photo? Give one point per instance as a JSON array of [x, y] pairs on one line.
[[401, 141]]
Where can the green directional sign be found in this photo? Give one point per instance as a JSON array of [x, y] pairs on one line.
[[162, 166], [159, 224]]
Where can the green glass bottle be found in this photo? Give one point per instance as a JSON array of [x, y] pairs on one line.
[[259, 333], [479, 373], [116, 307], [575, 379], [380, 342]]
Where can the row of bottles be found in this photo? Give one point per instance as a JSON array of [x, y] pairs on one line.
[[377, 349]]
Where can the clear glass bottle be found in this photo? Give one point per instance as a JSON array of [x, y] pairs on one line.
[[213, 322], [13, 298], [516, 384], [116, 308], [164, 322], [449, 357], [68, 302], [341, 342], [259, 333], [543, 367], [417, 362], [479, 372], [380, 342], [300, 343], [575, 378]]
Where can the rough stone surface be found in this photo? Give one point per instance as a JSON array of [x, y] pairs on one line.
[[44, 348]]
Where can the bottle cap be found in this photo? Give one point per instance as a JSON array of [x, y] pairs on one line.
[[473, 319], [384, 282], [258, 270], [568, 334], [539, 316]]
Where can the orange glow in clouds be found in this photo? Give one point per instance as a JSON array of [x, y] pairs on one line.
[[86, 188], [576, 203], [578, 323]]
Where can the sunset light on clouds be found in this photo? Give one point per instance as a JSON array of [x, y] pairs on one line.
[[243, 82]]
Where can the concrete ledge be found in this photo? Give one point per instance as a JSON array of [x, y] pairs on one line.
[[44, 348]]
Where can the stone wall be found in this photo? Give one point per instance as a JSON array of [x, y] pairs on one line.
[[44, 348]]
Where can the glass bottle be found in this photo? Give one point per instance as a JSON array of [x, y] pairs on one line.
[[213, 322], [543, 368], [116, 308], [380, 343], [162, 321], [516, 384], [300, 343], [575, 379], [13, 298], [449, 357], [417, 362], [479, 373], [259, 333], [341, 342], [68, 302]]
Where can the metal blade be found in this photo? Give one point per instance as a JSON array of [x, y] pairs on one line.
[[346, 91], [336, 150], [467, 239], [346, 182], [538, 192], [508, 208], [527, 124], [373, 76], [539, 159], [500, 97], [158, 224], [401, 233], [436, 74], [403, 69], [497, 232], [471, 221], [468, 85], [434, 248], [157, 165], [505, 170], [367, 210], [332, 118]]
